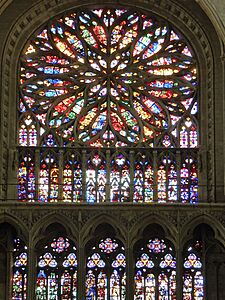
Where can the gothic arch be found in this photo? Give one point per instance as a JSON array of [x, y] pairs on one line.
[[174, 13], [207, 6], [89, 228], [17, 224], [210, 9], [187, 228], [136, 231], [39, 229]]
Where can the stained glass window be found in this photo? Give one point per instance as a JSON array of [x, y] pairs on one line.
[[49, 174], [155, 271], [193, 280], [143, 177], [96, 178], [189, 179], [57, 271], [105, 271], [72, 177], [19, 280], [26, 176], [108, 79], [167, 178], [120, 178]]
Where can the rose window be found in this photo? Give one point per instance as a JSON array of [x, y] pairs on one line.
[[110, 77]]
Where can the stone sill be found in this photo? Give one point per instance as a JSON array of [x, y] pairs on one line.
[[109, 205]]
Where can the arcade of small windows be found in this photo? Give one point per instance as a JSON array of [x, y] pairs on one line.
[[108, 111], [154, 274]]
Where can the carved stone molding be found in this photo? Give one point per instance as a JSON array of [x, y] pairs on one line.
[[125, 221]]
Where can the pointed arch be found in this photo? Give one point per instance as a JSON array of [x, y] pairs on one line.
[[147, 220], [38, 231], [88, 230]]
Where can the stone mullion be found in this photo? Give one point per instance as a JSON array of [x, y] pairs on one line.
[[204, 250], [155, 169], [202, 175], [84, 169], [179, 263], [9, 267], [37, 173], [81, 267], [4, 268], [129, 273], [223, 93], [31, 272], [179, 274], [9, 274], [12, 175], [81, 273], [107, 175], [108, 273], [60, 182], [131, 157], [178, 169], [157, 284], [212, 279], [58, 280]]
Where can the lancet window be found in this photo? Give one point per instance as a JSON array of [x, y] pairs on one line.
[[57, 271], [19, 279], [105, 271], [122, 86], [72, 177], [193, 280], [155, 270]]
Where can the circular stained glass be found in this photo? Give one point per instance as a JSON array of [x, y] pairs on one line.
[[108, 245], [60, 244], [108, 77]]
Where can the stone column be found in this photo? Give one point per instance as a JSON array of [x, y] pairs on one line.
[[31, 272], [9, 273], [12, 175], [220, 282], [211, 280], [129, 273], [202, 175], [223, 93], [81, 273], [9, 264], [179, 263], [179, 274], [3, 273], [81, 267]]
